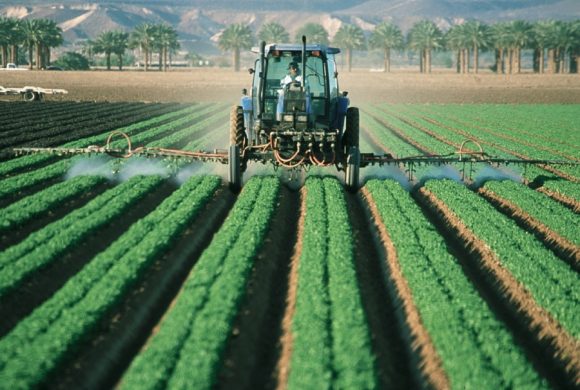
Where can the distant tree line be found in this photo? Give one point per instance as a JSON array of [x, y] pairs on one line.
[[556, 41]]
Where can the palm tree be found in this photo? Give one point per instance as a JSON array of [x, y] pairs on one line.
[[501, 39], [575, 49], [564, 40], [387, 36], [543, 37], [314, 32], [236, 37], [142, 38], [111, 42], [164, 40], [51, 36], [520, 38], [350, 37], [31, 32], [456, 40], [273, 32], [425, 37], [6, 26], [478, 35]]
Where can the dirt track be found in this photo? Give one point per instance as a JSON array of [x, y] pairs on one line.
[[224, 85]]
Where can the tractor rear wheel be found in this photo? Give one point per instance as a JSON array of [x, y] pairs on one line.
[[351, 132], [238, 135], [351, 176]]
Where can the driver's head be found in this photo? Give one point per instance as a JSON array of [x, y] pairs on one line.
[[293, 67]]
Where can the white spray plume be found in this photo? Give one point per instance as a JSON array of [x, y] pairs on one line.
[[488, 173], [91, 166], [441, 172], [143, 166], [386, 172]]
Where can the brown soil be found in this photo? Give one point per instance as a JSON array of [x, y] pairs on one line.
[[224, 85], [560, 347], [563, 247], [572, 204], [430, 365]]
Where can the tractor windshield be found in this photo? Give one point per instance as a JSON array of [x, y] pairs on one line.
[[313, 78]]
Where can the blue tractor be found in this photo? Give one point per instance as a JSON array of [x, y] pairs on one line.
[[295, 122]]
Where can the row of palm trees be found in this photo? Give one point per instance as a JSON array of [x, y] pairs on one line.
[[148, 38], [560, 39], [38, 36]]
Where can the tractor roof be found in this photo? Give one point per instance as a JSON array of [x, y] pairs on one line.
[[297, 47]]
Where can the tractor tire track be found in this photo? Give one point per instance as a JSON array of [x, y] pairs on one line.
[[545, 339], [427, 365], [101, 360], [255, 347]]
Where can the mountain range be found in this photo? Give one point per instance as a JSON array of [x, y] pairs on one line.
[[199, 22]]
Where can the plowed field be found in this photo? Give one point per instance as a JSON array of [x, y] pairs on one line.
[[148, 274]]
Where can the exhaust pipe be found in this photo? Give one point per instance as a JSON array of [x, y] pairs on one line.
[[303, 60], [262, 84]]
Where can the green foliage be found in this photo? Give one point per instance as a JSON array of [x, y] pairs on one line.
[[187, 350], [331, 345], [476, 349], [72, 61], [314, 33], [552, 283], [40, 342], [273, 33]]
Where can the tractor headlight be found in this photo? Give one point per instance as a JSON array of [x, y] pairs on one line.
[[287, 118], [302, 118]]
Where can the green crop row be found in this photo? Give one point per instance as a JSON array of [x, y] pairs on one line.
[[26, 180], [331, 345], [44, 246], [552, 282], [18, 163], [540, 207], [32, 206], [476, 349], [40, 342], [187, 350]]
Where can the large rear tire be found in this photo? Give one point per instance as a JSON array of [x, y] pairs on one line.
[[235, 169], [351, 176], [351, 132], [238, 132]]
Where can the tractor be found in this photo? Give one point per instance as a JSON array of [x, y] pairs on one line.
[[306, 122]]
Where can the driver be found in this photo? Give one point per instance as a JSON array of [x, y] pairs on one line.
[[293, 75]]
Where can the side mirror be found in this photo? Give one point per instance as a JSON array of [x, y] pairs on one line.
[[251, 71]]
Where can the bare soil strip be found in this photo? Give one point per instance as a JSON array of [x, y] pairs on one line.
[[563, 248], [561, 350], [572, 204], [250, 359], [102, 358], [393, 357], [430, 366], [42, 284], [283, 364]]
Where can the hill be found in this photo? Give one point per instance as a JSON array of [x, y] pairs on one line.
[[199, 21]]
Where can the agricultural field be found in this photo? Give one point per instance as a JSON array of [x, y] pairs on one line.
[[142, 273]]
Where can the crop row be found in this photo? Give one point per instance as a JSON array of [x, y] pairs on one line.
[[471, 348], [20, 182], [44, 246], [10, 167], [187, 349], [19, 114], [331, 345], [40, 342]]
